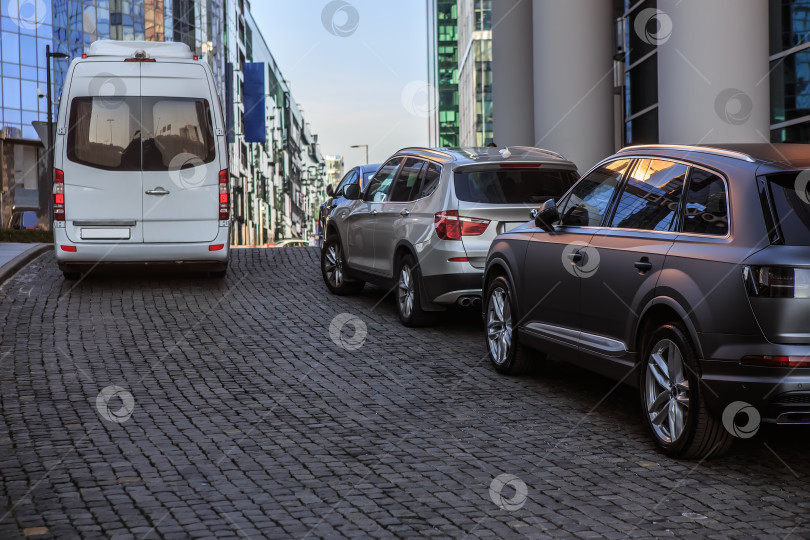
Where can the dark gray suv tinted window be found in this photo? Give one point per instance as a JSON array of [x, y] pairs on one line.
[[791, 199], [590, 197], [706, 210], [513, 185], [651, 196]]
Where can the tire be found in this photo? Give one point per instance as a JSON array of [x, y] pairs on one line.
[[333, 269], [505, 352], [408, 295], [672, 398]]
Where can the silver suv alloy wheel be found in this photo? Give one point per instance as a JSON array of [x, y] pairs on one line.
[[666, 392], [499, 326], [334, 265], [405, 293]]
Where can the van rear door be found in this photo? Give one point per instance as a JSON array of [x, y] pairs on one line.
[[180, 160], [102, 156]]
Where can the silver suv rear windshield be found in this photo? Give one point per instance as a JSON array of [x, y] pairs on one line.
[[790, 194], [140, 133], [513, 185]]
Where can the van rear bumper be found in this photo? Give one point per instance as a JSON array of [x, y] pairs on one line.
[[124, 252]]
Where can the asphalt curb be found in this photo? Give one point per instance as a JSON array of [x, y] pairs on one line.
[[20, 261]]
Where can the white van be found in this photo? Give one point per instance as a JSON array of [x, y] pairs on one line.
[[140, 161]]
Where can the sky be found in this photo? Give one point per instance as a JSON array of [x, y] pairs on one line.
[[358, 68]]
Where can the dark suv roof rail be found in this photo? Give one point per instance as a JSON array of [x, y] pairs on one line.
[[696, 149], [543, 150], [427, 150]]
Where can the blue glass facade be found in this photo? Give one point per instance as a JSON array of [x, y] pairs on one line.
[[69, 26]]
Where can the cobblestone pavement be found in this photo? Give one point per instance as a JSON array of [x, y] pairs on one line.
[[249, 420]]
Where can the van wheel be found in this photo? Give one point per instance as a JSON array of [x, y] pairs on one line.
[[672, 398], [408, 291], [333, 269], [507, 355]]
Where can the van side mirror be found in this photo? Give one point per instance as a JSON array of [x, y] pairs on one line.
[[330, 191], [546, 215], [352, 192]]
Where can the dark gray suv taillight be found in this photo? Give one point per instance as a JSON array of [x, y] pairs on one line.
[[777, 281]]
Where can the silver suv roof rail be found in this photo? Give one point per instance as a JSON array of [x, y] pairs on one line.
[[425, 149], [542, 150], [696, 149]]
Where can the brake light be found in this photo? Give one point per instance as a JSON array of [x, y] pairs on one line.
[[520, 165], [58, 195], [777, 281], [224, 196], [450, 226], [777, 361], [84, 55], [216, 247], [71, 249]]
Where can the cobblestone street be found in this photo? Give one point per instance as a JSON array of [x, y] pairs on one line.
[[152, 405]]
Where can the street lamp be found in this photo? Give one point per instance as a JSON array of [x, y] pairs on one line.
[[362, 146], [48, 56]]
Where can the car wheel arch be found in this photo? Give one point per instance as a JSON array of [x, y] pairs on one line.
[[402, 249], [660, 311], [498, 267]]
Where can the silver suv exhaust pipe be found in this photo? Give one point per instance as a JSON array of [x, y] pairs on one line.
[[468, 301]]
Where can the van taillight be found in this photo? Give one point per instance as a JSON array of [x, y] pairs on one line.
[[777, 281], [224, 196], [58, 195], [450, 226]]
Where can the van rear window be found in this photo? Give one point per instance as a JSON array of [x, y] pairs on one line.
[[134, 133], [513, 185]]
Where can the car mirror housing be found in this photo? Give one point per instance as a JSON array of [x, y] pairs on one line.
[[352, 192], [546, 215], [330, 191]]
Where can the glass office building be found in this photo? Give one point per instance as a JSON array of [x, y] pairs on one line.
[[443, 71], [475, 72]]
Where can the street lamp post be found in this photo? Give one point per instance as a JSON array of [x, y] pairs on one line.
[[362, 146], [48, 56]]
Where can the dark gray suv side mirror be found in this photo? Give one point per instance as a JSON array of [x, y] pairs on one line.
[[352, 192], [330, 191], [546, 215]]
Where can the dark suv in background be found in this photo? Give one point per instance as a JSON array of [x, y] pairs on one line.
[[682, 270]]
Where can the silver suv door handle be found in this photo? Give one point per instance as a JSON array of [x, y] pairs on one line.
[[405, 213], [373, 212], [157, 191]]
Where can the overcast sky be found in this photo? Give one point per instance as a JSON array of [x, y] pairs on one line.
[[358, 68]]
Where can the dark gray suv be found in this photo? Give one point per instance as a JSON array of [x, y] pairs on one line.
[[682, 270]]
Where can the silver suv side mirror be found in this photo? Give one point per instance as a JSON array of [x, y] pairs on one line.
[[352, 192]]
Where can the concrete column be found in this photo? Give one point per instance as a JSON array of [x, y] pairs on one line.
[[512, 79], [713, 72], [573, 78]]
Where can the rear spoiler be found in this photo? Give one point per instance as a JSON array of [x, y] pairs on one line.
[[514, 164]]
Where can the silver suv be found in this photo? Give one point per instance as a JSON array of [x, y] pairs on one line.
[[424, 222]]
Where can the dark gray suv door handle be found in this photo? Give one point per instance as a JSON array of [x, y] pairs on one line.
[[405, 213], [576, 257], [644, 265]]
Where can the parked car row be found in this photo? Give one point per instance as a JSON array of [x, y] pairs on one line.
[[681, 270]]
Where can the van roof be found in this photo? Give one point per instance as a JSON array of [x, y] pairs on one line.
[[127, 49]]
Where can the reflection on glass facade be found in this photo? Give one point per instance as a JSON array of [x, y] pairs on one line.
[[641, 78], [446, 59], [790, 70], [475, 72]]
